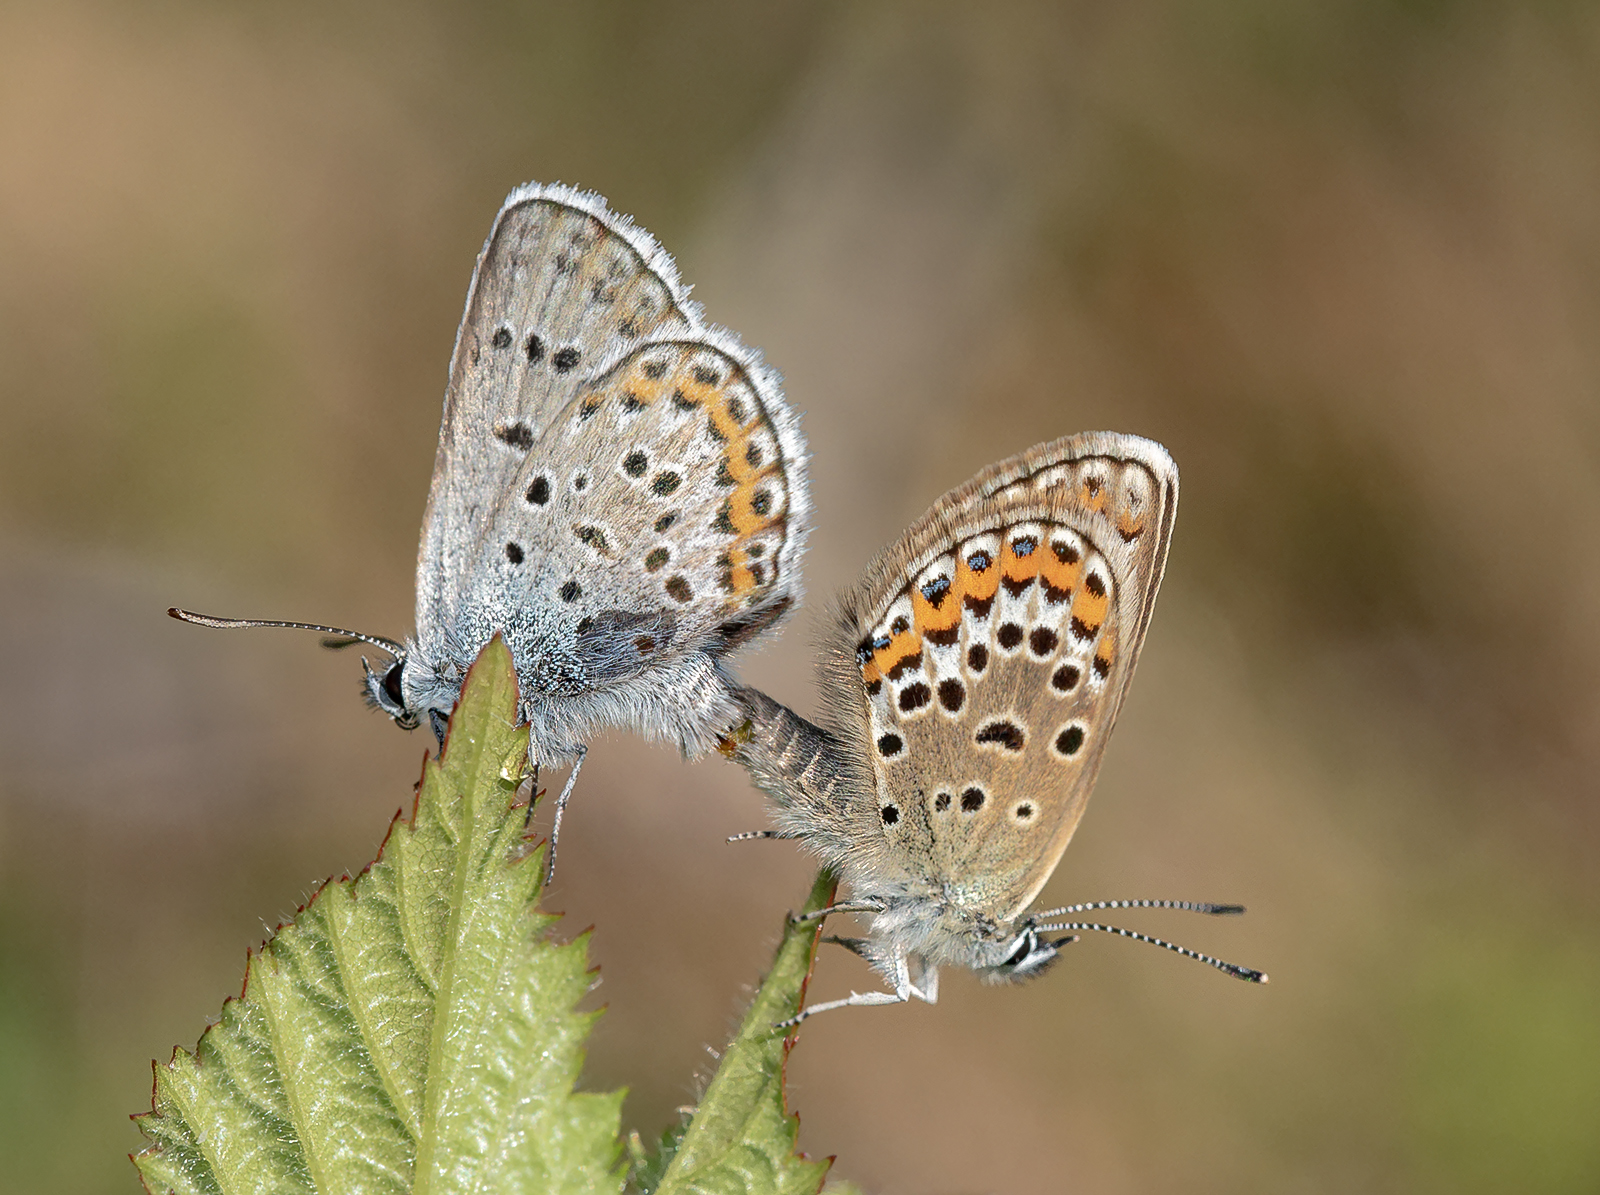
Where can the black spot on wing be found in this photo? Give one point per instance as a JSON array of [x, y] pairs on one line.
[[1069, 741], [1002, 732], [914, 696], [518, 435]]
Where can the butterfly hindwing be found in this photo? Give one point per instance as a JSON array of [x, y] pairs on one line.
[[661, 512], [996, 643]]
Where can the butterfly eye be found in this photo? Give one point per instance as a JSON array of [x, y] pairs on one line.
[[391, 684], [1026, 945]]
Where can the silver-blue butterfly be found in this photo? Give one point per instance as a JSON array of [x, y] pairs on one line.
[[619, 489]]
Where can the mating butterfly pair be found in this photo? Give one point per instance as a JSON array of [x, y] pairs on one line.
[[620, 491]]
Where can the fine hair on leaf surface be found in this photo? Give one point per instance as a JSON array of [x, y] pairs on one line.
[[742, 1135]]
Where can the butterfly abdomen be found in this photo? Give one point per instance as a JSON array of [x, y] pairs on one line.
[[810, 773]]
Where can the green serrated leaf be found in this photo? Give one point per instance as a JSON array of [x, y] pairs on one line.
[[411, 1029], [742, 1136]]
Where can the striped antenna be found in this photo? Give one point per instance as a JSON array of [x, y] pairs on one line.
[[344, 638], [1248, 974], [1188, 906]]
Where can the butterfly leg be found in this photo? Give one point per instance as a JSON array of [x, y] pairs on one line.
[[924, 980], [856, 946], [903, 991], [844, 906], [561, 808], [853, 1000]]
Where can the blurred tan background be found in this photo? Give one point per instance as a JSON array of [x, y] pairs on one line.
[[1342, 258]]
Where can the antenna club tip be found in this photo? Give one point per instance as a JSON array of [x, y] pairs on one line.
[[174, 612], [1226, 910]]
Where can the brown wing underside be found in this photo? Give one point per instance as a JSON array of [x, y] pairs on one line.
[[994, 656]]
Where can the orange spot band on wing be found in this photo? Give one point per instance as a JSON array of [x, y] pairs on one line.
[[1021, 568], [738, 572], [756, 501], [980, 586], [743, 501], [1105, 652], [1089, 609], [935, 621], [1092, 493], [902, 647], [642, 386], [1061, 575]]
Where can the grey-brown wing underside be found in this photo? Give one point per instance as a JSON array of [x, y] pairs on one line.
[[995, 644]]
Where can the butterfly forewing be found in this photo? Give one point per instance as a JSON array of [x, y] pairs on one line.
[[992, 673], [561, 290]]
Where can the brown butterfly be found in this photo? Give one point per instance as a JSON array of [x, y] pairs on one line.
[[972, 681]]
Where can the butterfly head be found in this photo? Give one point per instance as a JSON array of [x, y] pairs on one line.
[[386, 691], [1030, 954], [945, 933], [411, 687]]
